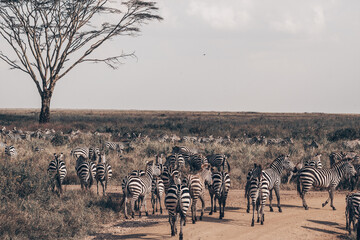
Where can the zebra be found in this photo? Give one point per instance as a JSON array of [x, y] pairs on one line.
[[221, 185], [134, 173], [314, 162], [57, 171], [80, 151], [253, 191], [10, 151], [177, 201], [253, 173], [185, 152], [271, 179], [218, 160], [86, 171], [352, 209], [196, 183], [157, 190], [94, 153], [175, 161], [337, 156], [355, 179], [328, 178], [196, 161], [139, 187], [103, 173], [117, 146]]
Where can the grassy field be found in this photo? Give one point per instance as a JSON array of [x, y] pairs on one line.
[[30, 211]]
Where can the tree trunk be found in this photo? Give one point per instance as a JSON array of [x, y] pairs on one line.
[[45, 107]]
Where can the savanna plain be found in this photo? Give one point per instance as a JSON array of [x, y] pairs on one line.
[[29, 209]]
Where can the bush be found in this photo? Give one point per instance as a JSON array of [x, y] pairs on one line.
[[59, 140], [343, 134]]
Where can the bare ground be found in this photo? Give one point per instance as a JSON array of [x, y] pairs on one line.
[[293, 223]]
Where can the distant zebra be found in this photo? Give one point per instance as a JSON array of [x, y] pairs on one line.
[[157, 190], [196, 161], [352, 210], [103, 173], [221, 185], [218, 161], [328, 178], [177, 201], [57, 171], [175, 161], [271, 179], [337, 156], [185, 152], [94, 153], [116, 146], [80, 151], [10, 151], [196, 183], [86, 171], [314, 162], [139, 187]]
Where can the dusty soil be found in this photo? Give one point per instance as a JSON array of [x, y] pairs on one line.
[[293, 223]]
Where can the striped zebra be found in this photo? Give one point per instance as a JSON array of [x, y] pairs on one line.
[[352, 210], [271, 180], [196, 161], [253, 192], [86, 171], [328, 178], [57, 171], [117, 146], [314, 162], [221, 185], [80, 152], [177, 202], [139, 187], [185, 152], [10, 151], [196, 183], [339, 156], [353, 181], [253, 173], [175, 161], [126, 179], [218, 161], [157, 190], [103, 173], [94, 153]]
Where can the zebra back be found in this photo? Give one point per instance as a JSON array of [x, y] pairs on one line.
[[57, 169], [218, 161], [10, 151]]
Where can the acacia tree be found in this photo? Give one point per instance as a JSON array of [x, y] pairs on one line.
[[48, 38]]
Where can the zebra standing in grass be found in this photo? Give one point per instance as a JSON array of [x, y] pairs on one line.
[[253, 192], [221, 185], [86, 171], [103, 173], [196, 183], [271, 179], [94, 153], [185, 152], [139, 187], [218, 161], [157, 190], [177, 201], [80, 151], [116, 146], [10, 151], [175, 161], [314, 162], [57, 171], [328, 178], [196, 161]]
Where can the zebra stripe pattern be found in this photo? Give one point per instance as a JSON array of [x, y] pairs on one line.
[[157, 190], [10, 151], [103, 174], [177, 201], [218, 161], [175, 161], [57, 171], [94, 153], [196, 184], [352, 210], [221, 185], [86, 171], [80, 152], [271, 179], [196, 161], [140, 186], [314, 162], [328, 178]]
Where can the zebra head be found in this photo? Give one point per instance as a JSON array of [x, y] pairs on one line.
[[349, 169], [153, 168], [286, 163], [206, 173]]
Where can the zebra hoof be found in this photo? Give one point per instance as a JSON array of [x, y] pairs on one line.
[[258, 220], [334, 208], [271, 209], [160, 211], [280, 210], [193, 221], [247, 210], [200, 218], [252, 223], [210, 213], [146, 213], [262, 223], [180, 236], [306, 208], [323, 205]]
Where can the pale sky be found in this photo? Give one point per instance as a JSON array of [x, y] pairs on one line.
[[260, 55]]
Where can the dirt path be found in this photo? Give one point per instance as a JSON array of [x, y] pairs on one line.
[[293, 223]]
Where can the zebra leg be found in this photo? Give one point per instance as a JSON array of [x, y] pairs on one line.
[[160, 204], [253, 217], [277, 192], [202, 206], [144, 203], [172, 220], [270, 200], [220, 209], [103, 187], [248, 202], [327, 200], [304, 201], [258, 209], [182, 219], [153, 202], [332, 198], [125, 206], [212, 204], [132, 205]]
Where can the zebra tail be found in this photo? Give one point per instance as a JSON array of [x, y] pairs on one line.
[[227, 162], [58, 180]]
